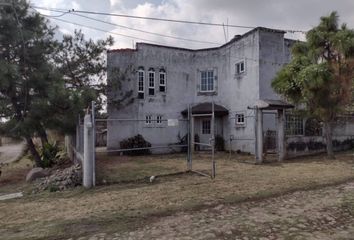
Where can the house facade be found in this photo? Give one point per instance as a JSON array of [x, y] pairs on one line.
[[151, 87]]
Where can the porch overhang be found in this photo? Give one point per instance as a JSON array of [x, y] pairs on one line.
[[269, 104], [206, 108]]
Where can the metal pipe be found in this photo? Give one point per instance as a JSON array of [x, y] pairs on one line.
[[93, 108], [144, 148], [213, 172], [138, 120], [202, 115], [201, 173], [202, 144]]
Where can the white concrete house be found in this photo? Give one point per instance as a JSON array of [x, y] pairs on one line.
[[154, 83]]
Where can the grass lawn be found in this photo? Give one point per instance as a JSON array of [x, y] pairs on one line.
[[125, 206]]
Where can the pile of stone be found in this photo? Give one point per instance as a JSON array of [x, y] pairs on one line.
[[61, 179]]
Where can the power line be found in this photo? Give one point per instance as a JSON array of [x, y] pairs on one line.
[[147, 40], [144, 31], [101, 30], [126, 27], [164, 19]]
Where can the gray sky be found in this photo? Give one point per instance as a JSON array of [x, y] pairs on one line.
[[280, 14]]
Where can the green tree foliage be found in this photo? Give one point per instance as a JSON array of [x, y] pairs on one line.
[[44, 83], [320, 74]]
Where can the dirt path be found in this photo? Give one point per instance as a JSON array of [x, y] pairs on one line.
[[10, 152], [326, 213]]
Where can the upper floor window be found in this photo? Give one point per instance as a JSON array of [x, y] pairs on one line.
[[162, 76], [294, 124], [141, 75], [240, 67], [207, 81], [151, 82], [159, 119], [148, 119], [240, 119]]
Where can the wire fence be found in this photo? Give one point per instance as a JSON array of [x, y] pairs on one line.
[[144, 148]]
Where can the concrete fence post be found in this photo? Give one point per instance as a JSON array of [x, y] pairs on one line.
[[259, 136], [281, 135], [88, 164]]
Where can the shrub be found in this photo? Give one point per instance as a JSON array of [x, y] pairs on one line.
[[298, 146], [219, 143], [336, 143], [348, 142], [49, 154], [312, 146], [137, 141]]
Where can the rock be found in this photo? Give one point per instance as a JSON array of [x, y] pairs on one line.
[[36, 173], [61, 179]]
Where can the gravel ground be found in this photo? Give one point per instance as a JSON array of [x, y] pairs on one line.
[[326, 213]]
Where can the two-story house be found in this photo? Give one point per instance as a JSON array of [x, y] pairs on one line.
[[154, 83]]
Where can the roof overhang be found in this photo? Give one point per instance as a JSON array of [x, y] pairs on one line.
[[206, 108], [269, 104]]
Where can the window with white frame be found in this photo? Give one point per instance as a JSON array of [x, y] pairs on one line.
[[206, 126], [240, 67], [294, 124], [141, 75], [207, 81], [148, 119], [151, 82], [240, 119], [159, 119], [162, 77]]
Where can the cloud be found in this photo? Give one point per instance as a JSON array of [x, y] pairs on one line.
[[298, 15]]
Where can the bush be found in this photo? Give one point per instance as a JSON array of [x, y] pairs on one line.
[[49, 154], [219, 143], [312, 146], [137, 141], [298, 146]]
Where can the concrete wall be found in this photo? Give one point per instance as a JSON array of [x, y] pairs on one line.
[[183, 67]]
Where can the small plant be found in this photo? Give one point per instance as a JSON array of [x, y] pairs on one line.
[[137, 141], [49, 154], [53, 188], [183, 141]]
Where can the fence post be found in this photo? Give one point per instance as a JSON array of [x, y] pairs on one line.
[[88, 164], [281, 135], [259, 135]]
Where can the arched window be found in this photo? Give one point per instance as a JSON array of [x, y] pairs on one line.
[[141, 80], [162, 80], [151, 82]]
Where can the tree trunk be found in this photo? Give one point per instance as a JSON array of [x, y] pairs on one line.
[[34, 152], [329, 144], [43, 136]]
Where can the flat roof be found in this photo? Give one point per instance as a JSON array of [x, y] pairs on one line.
[[234, 39]]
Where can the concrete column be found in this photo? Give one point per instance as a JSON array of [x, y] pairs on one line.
[[259, 136], [88, 163], [281, 134], [192, 134]]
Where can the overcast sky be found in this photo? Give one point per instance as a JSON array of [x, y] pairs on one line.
[[280, 14]]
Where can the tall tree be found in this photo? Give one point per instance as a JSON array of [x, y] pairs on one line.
[[26, 76], [320, 74], [44, 84]]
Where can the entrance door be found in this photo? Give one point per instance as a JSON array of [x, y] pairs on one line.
[[205, 131]]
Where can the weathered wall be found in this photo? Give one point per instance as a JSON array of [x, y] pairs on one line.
[[183, 66]]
